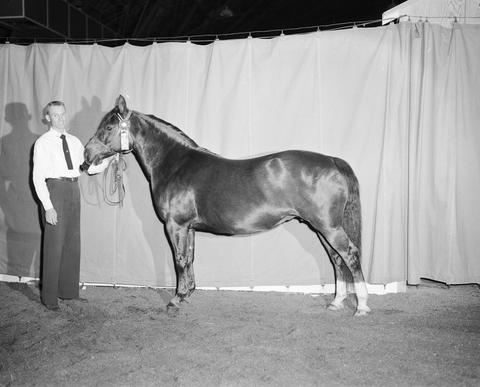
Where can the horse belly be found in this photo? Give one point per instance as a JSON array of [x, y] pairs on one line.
[[243, 209], [262, 219], [240, 222]]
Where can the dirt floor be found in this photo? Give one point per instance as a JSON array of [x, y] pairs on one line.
[[428, 336]]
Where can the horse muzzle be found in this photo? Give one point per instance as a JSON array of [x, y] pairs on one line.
[[95, 151]]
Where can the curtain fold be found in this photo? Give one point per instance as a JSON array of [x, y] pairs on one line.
[[444, 160], [400, 103]]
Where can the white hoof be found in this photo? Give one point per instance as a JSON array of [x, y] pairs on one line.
[[334, 306], [362, 312], [174, 303]]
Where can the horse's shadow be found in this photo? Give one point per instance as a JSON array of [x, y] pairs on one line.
[[153, 229], [96, 189], [84, 123], [311, 244]]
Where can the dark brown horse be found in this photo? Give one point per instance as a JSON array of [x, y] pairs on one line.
[[194, 189]]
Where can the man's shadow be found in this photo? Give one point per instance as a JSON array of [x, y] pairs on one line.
[[17, 200]]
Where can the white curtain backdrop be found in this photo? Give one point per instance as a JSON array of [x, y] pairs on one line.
[[400, 103]]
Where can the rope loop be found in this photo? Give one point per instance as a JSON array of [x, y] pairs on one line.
[[114, 171]]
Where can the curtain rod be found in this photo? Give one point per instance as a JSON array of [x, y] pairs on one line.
[[208, 38]]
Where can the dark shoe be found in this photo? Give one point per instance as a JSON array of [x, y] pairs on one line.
[[53, 308]]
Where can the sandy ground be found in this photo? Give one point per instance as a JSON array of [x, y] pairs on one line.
[[428, 336]]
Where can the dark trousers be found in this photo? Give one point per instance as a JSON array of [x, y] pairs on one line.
[[61, 244]]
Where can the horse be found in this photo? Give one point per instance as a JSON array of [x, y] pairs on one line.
[[194, 189]]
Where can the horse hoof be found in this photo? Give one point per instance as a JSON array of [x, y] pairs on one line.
[[173, 306], [362, 312], [172, 310], [334, 307]]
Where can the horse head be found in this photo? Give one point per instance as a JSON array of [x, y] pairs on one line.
[[112, 136]]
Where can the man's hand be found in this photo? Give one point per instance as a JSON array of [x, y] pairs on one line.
[[51, 216], [84, 166]]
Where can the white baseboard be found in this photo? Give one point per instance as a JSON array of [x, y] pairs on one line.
[[392, 287], [16, 278]]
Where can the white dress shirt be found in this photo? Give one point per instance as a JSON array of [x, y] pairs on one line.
[[49, 162]]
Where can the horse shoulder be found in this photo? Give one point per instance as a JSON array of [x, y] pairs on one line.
[[177, 195]]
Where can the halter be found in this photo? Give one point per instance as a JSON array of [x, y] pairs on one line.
[[124, 125]]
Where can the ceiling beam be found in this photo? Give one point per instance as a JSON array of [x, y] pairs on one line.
[[55, 18]]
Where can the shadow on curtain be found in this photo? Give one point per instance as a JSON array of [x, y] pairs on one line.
[[21, 217]]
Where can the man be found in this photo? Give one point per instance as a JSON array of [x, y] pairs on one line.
[[57, 159]]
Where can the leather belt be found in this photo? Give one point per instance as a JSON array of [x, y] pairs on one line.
[[71, 179]]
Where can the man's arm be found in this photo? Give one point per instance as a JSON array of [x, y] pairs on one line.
[[94, 169], [40, 166]]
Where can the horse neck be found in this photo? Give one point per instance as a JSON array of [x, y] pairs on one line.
[[158, 144]]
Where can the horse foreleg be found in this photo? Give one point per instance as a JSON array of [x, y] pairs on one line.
[[190, 258], [178, 236]]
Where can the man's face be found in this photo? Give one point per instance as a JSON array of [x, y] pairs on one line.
[[56, 117]]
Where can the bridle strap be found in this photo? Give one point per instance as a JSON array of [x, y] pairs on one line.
[[127, 118]]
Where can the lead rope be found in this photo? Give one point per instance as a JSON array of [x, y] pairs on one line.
[[115, 169]]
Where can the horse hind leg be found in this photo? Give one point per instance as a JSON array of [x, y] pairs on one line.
[[341, 280], [341, 244]]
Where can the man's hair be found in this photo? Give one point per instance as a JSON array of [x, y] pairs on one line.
[[46, 110]]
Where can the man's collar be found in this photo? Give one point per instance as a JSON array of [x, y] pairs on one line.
[[56, 132]]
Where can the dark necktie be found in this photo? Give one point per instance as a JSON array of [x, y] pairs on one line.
[[66, 152]]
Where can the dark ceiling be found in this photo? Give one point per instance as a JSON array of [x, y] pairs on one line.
[[144, 19]]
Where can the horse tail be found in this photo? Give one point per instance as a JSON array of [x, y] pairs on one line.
[[352, 213]]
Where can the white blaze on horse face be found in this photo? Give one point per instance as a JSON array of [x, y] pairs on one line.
[[124, 142]]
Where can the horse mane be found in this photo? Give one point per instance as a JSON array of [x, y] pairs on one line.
[[172, 132]]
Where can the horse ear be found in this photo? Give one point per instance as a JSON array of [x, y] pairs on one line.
[[121, 104]]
